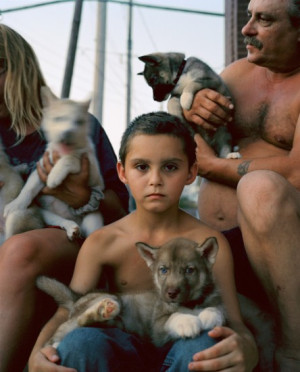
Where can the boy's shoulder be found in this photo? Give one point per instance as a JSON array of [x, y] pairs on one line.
[[198, 231]]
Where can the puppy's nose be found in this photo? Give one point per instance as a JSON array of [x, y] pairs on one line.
[[173, 293]]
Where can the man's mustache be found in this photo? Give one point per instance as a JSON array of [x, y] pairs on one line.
[[251, 40]]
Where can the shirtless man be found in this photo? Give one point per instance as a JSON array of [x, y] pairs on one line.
[[265, 203]]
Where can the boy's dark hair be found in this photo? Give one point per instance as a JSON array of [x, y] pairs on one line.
[[160, 122]]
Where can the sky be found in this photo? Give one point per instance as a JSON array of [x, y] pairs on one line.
[[48, 28]]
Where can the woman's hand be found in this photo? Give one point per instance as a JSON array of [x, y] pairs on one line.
[[74, 190], [210, 109], [234, 352]]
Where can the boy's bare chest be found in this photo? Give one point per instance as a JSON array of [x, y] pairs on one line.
[[270, 113], [130, 273]]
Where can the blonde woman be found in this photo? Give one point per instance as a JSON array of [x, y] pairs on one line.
[[45, 251]]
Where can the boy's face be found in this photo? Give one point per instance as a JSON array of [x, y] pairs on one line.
[[156, 170]]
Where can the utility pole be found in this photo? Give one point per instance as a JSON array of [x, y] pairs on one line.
[[100, 60], [129, 57], [72, 50]]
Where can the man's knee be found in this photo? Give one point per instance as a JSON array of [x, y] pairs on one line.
[[261, 196]]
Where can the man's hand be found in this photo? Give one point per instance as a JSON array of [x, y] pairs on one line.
[[210, 109], [74, 190], [204, 156]]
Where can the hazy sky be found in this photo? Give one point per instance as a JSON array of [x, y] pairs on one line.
[[48, 29]]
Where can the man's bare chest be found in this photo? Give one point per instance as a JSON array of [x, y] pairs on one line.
[[267, 114]]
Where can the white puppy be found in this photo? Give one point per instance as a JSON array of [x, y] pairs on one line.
[[66, 128]]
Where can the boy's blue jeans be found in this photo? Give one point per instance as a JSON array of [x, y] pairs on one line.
[[102, 350]]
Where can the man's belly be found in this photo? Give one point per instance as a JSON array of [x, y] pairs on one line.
[[217, 203]]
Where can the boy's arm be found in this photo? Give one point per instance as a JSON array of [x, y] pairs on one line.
[[237, 346], [85, 278], [43, 358]]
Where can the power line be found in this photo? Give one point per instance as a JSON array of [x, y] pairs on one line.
[[2, 11]]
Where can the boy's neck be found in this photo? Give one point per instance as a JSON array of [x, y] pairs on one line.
[[150, 222]]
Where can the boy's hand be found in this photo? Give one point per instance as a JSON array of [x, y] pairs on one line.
[[210, 109], [74, 190], [233, 352], [46, 360]]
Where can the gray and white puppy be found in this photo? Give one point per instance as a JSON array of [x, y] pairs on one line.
[[170, 75], [17, 221], [185, 301], [66, 128]]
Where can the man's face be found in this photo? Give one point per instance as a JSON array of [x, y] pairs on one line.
[[270, 38]]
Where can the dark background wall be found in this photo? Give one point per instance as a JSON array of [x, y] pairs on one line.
[[235, 19]]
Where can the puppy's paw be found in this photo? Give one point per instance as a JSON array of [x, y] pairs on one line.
[[14, 206], [183, 325], [53, 181], [108, 309], [101, 311], [211, 317], [186, 100], [73, 232], [233, 155]]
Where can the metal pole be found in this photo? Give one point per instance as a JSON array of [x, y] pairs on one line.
[[72, 50], [100, 60], [129, 52]]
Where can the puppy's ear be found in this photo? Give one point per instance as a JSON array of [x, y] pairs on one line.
[[47, 96], [140, 73], [151, 59], [147, 252], [208, 250]]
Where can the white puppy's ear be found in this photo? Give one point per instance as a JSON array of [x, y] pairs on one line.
[[208, 250], [47, 96], [147, 252]]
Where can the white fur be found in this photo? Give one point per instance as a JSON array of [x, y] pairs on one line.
[[211, 317], [183, 325], [64, 122]]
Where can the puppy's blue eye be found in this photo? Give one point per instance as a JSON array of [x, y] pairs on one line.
[[190, 270], [163, 270]]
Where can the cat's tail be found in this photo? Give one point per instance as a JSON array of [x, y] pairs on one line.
[[62, 294]]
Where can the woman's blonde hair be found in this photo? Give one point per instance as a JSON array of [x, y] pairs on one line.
[[23, 81]]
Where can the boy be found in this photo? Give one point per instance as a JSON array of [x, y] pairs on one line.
[[157, 159]]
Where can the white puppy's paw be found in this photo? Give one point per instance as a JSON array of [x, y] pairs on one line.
[[103, 310], [186, 100], [72, 229], [53, 181], [183, 325], [233, 155], [13, 206], [211, 317]]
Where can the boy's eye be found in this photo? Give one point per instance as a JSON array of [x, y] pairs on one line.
[[142, 167], [170, 167]]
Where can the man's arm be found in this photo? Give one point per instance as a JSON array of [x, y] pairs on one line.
[[230, 171]]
